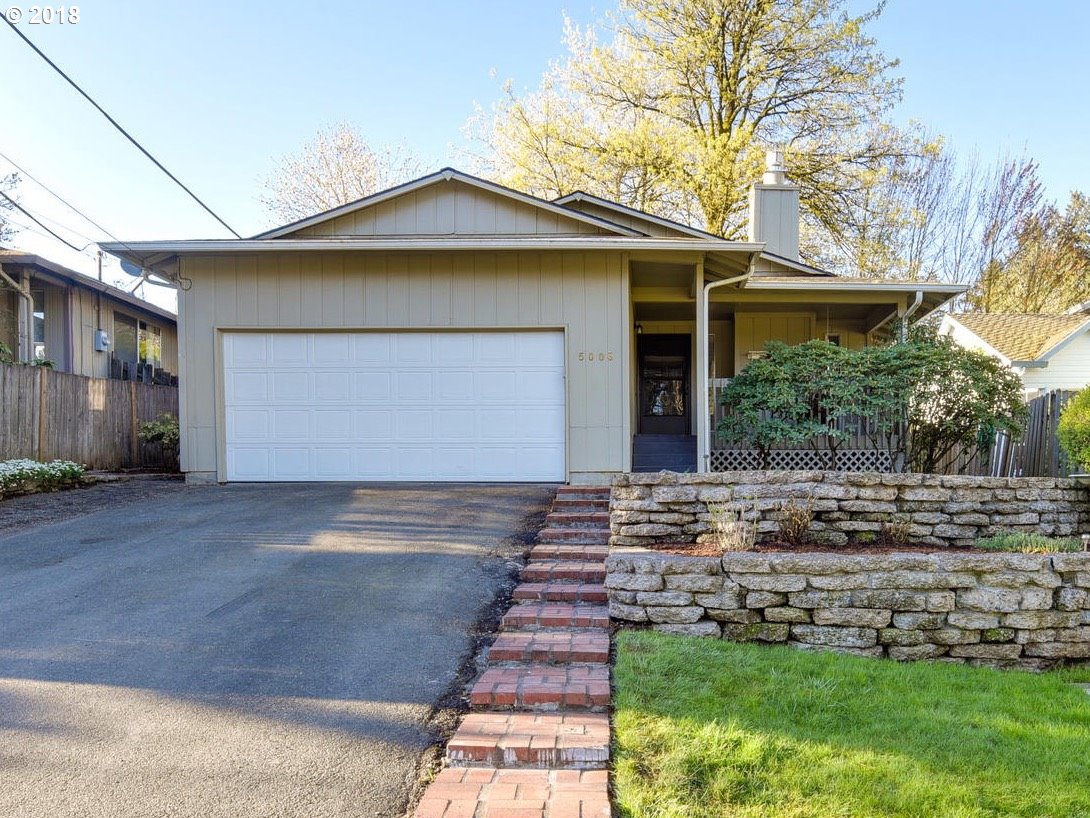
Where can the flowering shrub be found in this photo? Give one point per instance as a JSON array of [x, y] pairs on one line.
[[23, 475]]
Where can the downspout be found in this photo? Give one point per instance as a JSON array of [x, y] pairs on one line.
[[915, 305], [703, 458], [26, 315]]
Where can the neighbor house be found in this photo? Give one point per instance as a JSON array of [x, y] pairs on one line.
[[82, 325], [1048, 352], [454, 329]]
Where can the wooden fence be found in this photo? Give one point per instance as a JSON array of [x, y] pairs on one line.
[[46, 415]]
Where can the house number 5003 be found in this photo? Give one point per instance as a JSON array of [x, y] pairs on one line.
[[591, 357]]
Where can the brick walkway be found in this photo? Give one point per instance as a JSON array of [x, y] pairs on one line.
[[537, 742]]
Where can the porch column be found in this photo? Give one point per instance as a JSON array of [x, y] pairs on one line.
[[703, 421]]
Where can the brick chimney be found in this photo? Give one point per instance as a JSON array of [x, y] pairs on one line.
[[774, 210]]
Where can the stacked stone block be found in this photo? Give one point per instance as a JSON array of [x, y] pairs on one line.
[[1005, 610], [937, 510]]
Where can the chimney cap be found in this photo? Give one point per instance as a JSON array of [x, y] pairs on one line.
[[775, 171]]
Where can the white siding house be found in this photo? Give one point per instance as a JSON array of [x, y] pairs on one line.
[[1047, 351]]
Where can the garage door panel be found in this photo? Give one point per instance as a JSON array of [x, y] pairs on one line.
[[395, 406]]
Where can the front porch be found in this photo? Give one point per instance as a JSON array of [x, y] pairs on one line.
[[695, 326]]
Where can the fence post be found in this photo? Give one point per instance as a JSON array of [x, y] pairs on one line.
[[43, 426], [134, 439]]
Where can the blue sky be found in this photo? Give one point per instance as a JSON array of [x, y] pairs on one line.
[[218, 91]]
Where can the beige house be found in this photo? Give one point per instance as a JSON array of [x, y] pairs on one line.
[[82, 325], [1047, 352], [454, 329]]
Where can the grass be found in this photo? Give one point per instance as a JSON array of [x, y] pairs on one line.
[[1029, 543], [708, 728]]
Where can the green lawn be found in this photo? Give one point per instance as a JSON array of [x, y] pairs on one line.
[[709, 728]]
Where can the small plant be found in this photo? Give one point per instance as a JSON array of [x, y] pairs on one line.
[[866, 538], [8, 357], [1074, 430], [730, 530], [163, 430], [897, 530], [17, 476], [1024, 543], [795, 521]]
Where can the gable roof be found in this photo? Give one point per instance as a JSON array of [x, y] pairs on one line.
[[9, 256], [1023, 336], [437, 178], [632, 213]]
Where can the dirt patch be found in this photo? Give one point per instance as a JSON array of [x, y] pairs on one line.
[[32, 510]]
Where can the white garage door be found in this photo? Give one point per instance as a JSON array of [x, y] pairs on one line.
[[395, 406]]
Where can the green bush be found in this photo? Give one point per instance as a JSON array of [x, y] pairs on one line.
[[164, 430], [1074, 429], [922, 400], [1029, 543]]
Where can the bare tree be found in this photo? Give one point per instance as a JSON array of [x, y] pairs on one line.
[[335, 168], [7, 185]]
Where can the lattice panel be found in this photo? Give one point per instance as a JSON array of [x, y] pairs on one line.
[[801, 460]]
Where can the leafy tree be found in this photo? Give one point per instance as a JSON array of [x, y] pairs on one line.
[[335, 168], [1048, 267], [920, 400], [1074, 429], [673, 113]]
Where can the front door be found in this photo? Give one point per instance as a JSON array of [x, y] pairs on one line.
[[664, 384]]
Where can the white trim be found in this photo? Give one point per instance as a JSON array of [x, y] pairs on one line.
[[759, 282], [1071, 336], [444, 175], [987, 347]]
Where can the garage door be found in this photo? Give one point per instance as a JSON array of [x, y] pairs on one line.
[[395, 406]]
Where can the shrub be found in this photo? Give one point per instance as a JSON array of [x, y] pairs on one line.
[[795, 522], [1074, 430], [897, 531], [24, 475], [730, 530], [922, 400], [1029, 543], [163, 430]]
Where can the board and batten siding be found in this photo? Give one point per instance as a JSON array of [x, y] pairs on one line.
[[452, 208], [582, 293], [84, 306]]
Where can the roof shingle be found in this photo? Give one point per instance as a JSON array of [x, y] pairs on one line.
[[1021, 337]]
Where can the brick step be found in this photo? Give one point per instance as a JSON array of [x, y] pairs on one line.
[[578, 504], [542, 687], [553, 647], [578, 519], [570, 551], [586, 536], [570, 741], [595, 491], [548, 570], [534, 615], [560, 592], [486, 791]]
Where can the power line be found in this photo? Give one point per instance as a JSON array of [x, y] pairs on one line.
[[59, 198], [45, 227], [115, 123]]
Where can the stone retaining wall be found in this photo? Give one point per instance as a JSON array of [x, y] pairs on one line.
[[1006, 610], [938, 510]]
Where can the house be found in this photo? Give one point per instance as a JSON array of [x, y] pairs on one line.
[[1047, 351], [454, 329], [82, 325]]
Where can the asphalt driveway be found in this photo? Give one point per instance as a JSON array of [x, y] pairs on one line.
[[244, 650]]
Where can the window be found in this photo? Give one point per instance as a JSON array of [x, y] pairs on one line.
[[38, 339], [833, 339], [137, 342], [150, 342], [125, 338]]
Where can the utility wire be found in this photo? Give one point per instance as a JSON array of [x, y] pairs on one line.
[[115, 123], [40, 224], [60, 199]]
